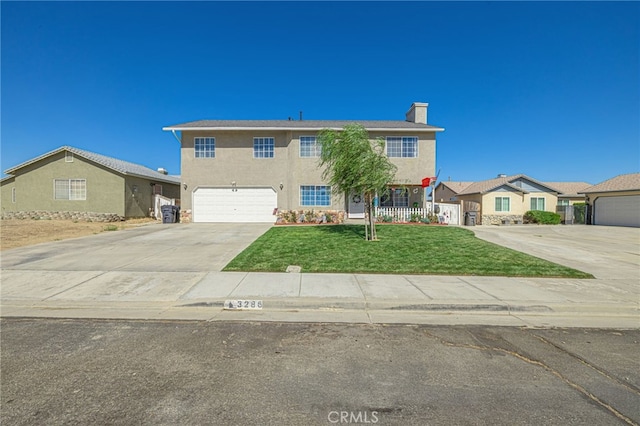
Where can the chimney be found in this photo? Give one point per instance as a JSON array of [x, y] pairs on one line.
[[417, 113], [163, 171]]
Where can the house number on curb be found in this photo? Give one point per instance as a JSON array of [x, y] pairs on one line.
[[242, 304]]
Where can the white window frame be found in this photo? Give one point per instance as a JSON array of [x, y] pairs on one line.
[[207, 149], [502, 201], [314, 150], [72, 194], [263, 149], [68, 157], [315, 202], [563, 202], [401, 151], [537, 201]]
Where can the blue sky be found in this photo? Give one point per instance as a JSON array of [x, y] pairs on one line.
[[548, 89]]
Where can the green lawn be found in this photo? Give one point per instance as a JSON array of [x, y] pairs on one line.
[[401, 249]]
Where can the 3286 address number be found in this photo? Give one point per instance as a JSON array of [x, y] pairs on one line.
[[243, 304]]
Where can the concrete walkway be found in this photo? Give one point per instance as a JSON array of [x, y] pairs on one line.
[[173, 272]]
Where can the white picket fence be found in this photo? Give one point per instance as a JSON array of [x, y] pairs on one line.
[[447, 213]]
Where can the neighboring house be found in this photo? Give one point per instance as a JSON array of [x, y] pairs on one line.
[[615, 201], [447, 192], [507, 198], [569, 192], [72, 179], [247, 170]]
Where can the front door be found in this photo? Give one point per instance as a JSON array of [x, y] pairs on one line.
[[356, 206]]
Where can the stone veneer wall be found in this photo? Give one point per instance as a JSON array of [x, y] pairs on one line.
[[310, 216], [185, 216], [489, 219], [78, 216], [291, 216]]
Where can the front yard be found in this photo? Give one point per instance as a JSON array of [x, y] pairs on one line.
[[401, 249]]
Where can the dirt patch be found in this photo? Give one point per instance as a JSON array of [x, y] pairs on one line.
[[18, 233]]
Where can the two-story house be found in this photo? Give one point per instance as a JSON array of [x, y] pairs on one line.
[[247, 170]]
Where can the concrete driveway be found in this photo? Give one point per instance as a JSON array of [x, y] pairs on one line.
[[607, 252], [195, 247]]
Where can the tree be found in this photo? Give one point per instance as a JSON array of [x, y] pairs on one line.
[[354, 164]]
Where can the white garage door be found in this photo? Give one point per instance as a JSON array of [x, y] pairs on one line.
[[239, 205], [620, 211]]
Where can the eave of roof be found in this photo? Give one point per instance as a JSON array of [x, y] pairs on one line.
[[119, 166], [620, 183], [486, 186], [304, 125]]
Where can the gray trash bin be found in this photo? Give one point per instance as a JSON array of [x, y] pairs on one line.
[[168, 214], [470, 218]]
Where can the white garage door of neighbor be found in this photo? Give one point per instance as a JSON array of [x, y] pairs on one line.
[[620, 211], [239, 205]]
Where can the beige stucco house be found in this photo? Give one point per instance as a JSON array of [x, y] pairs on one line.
[[248, 170], [505, 199], [615, 202], [69, 179]]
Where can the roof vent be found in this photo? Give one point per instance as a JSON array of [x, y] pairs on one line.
[[502, 175], [163, 170]]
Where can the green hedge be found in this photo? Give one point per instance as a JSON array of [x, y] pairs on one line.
[[544, 218]]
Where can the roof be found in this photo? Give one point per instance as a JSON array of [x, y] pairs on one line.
[[628, 182], [120, 166], [311, 125], [569, 189], [489, 185], [456, 187]]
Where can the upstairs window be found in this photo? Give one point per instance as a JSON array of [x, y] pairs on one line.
[[310, 147], [405, 146], [70, 189], [263, 147], [205, 147], [502, 204], [68, 157]]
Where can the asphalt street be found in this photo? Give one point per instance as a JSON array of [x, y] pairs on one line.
[[239, 373]]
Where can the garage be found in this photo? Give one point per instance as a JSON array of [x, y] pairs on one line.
[[617, 211], [234, 204]]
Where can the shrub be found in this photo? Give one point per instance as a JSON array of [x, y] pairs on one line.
[[544, 218], [425, 220], [415, 217]]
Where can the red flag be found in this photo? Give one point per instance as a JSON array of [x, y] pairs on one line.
[[427, 181]]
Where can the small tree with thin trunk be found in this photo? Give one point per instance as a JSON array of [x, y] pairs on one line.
[[354, 164]]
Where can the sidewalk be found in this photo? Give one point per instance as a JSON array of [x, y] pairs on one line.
[[296, 297]]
